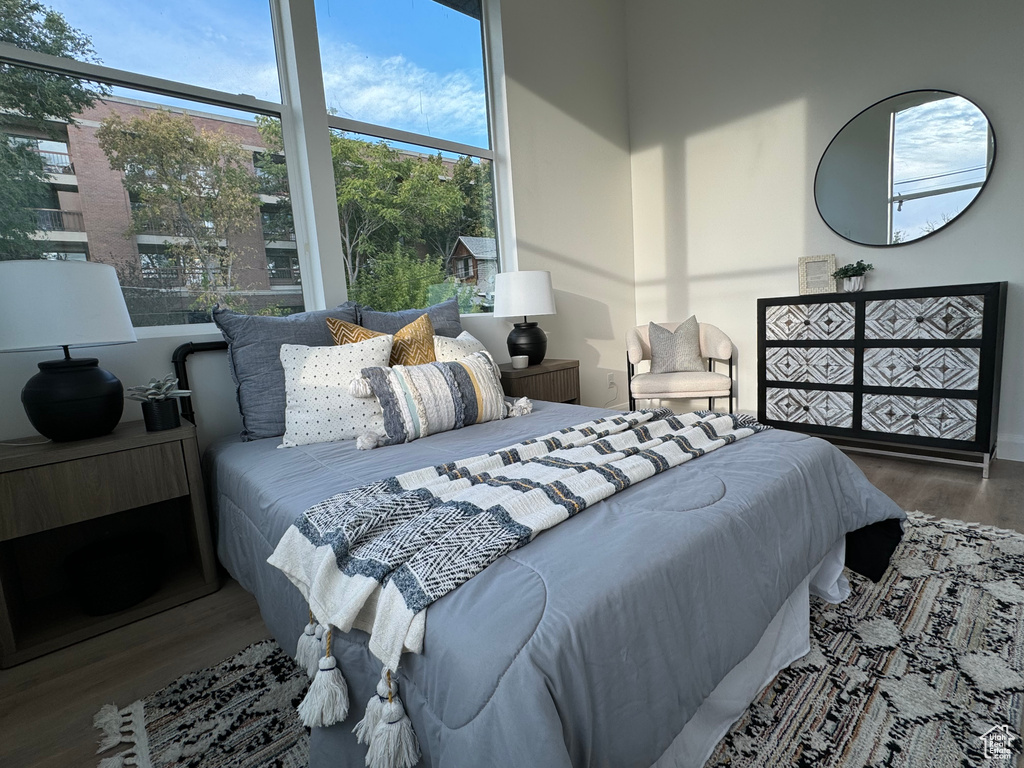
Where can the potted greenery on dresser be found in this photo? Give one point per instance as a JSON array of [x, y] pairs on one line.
[[853, 275], [159, 402]]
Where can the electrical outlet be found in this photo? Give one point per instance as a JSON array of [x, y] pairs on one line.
[[611, 380]]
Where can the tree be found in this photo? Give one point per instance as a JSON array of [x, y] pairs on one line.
[[391, 207], [396, 279], [385, 197], [475, 218], [194, 182], [36, 102]]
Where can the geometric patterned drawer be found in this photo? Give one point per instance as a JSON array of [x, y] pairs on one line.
[[809, 365], [792, 322], [934, 317], [921, 416], [931, 368], [803, 406]]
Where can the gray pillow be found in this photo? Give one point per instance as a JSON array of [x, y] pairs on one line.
[[677, 350], [254, 349], [444, 317]]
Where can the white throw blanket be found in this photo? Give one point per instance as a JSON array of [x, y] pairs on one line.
[[376, 556]]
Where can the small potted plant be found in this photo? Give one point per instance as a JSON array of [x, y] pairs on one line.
[[853, 275], [159, 402]]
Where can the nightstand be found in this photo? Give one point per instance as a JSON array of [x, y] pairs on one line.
[[554, 380], [56, 498]]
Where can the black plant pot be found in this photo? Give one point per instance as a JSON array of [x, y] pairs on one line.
[[160, 414]]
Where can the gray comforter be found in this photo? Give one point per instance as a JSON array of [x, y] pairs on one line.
[[594, 644]]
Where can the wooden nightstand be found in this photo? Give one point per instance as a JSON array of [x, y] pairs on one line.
[[56, 498], [554, 380]]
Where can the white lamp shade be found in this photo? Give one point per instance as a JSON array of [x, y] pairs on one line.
[[518, 294], [48, 304]]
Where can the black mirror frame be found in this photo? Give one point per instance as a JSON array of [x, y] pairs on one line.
[[988, 175]]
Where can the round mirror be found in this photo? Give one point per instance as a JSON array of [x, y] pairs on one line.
[[904, 168]]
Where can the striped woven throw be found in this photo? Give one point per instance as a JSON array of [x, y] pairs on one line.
[[376, 556]]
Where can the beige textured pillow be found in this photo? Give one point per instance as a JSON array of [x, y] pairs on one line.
[[448, 350], [677, 350]]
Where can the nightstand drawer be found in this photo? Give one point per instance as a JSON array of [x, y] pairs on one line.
[[41, 498], [557, 381]]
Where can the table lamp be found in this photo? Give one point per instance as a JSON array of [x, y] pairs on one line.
[[52, 304], [525, 293]]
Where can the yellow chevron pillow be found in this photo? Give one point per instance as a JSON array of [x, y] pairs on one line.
[[413, 344]]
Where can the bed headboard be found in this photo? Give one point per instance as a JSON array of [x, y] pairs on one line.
[[215, 412]]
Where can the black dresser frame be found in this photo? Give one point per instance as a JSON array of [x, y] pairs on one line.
[[935, 449]]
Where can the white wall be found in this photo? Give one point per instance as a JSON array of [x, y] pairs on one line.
[[731, 105], [566, 83]]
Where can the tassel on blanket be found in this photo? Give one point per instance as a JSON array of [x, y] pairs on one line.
[[374, 708], [307, 650], [326, 702], [393, 742]]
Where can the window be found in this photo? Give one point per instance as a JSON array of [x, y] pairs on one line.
[[408, 191], [166, 189], [183, 183]]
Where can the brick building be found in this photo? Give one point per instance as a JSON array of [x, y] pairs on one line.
[[90, 217]]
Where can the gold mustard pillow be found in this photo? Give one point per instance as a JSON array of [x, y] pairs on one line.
[[412, 345]]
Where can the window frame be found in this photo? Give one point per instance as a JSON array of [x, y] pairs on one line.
[[306, 127]]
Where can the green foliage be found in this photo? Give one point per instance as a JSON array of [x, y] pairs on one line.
[[852, 270], [466, 295], [193, 182], [35, 102], [473, 218], [396, 279]]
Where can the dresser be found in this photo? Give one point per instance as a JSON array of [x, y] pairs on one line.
[[915, 370]]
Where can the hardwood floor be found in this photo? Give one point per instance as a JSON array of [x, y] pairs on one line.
[[46, 705], [946, 490]]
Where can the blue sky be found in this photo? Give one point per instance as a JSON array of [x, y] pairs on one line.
[[409, 64]]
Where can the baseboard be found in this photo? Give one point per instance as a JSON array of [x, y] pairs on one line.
[[1010, 447]]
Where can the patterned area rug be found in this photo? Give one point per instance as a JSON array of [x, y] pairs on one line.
[[908, 672], [237, 714]]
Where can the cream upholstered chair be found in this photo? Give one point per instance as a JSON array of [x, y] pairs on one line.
[[644, 385]]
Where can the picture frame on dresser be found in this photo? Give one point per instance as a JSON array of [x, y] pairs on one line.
[[913, 372], [815, 273]]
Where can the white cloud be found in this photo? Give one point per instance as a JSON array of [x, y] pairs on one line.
[[398, 93], [214, 46]]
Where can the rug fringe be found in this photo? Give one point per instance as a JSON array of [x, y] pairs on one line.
[[123, 726]]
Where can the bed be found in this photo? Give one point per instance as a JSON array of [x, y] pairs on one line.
[[632, 634]]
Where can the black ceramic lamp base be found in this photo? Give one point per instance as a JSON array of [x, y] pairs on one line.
[[73, 399], [528, 339]]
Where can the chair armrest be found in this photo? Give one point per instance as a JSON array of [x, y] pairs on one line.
[[714, 343], [634, 348]]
